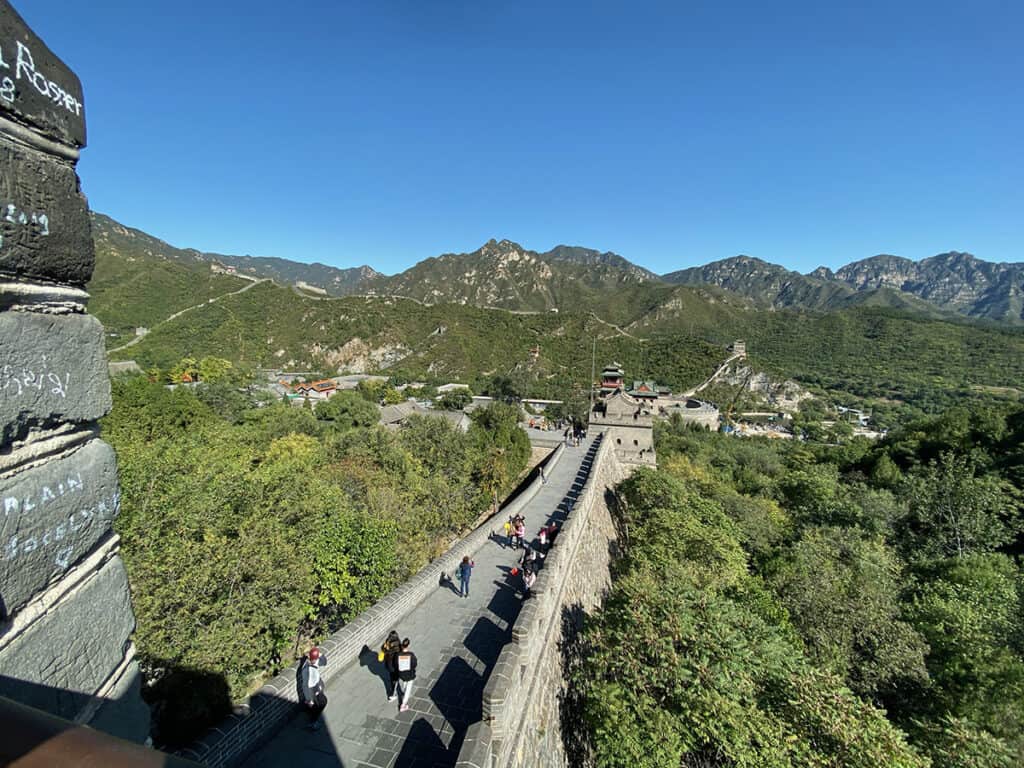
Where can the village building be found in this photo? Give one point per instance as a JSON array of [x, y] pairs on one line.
[[539, 405], [395, 416], [310, 390]]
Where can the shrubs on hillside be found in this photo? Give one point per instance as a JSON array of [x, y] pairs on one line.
[[782, 605]]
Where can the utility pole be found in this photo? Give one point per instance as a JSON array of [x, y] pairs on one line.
[[593, 375]]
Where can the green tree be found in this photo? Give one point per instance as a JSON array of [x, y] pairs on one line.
[[187, 369], [455, 400], [347, 410], [954, 512], [842, 592], [969, 612], [214, 370]]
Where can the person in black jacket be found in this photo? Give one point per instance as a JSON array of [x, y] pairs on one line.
[[405, 666], [391, 646]]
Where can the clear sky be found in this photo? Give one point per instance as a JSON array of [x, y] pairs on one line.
[[672, 133]]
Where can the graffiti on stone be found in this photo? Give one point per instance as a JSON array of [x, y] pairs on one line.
[[51, 367], [44, 219], [17, 381], [36, 85], [25, 69], [37, 220], [52, 516]]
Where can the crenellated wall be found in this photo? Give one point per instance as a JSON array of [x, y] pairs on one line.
[[523, 697], [65, 613]]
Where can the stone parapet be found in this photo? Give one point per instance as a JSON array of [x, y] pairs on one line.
[[65, 613], [67, 653], [53, 513], [44, 217], [54, 370], [521, 726]]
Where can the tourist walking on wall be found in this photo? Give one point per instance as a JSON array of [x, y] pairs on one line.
[[405, 666], [465, 571], [529, 577], [520, 526], [508, 532], [313, 695], [392, 645], [530, 559]]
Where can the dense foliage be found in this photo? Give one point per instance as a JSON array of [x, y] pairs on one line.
[[795, 605], [249, 530]]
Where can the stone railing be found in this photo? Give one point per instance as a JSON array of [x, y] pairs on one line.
[[270, 707], [521, 698]]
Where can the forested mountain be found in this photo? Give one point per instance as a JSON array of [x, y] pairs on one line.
[[954, 281], [507, 275], [768, 284], [128, 244]]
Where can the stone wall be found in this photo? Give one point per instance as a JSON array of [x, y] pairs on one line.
[[522, 725], [65, 614]]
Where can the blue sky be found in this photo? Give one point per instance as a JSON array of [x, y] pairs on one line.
[[672, 133]]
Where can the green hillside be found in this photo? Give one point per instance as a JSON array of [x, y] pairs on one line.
[[272, 326], [136, 282], [871, 352]]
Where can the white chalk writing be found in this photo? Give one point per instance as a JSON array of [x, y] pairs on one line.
[[25, 68], [18, 383], [37, 221], [21, 544], [43, 495]]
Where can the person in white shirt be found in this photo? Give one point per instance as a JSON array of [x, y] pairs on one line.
[[313, 695]]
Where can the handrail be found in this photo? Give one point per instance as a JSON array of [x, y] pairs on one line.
[[30, 738]]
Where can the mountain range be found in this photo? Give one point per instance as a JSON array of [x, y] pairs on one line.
[[506, 275], [544, 319]]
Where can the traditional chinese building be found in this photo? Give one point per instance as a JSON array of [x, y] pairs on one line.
[[625, 420]]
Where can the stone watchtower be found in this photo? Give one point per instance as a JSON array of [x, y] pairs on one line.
[[65, 614], [626, 421]]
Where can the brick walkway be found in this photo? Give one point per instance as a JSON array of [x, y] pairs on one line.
[[456, 642]]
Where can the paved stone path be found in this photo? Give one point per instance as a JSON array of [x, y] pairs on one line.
[[457, 642]]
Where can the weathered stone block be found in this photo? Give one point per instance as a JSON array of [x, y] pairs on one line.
[[52, 368], [36, 87], [51, 516], [65, 656], [44, 218], [124, 714]]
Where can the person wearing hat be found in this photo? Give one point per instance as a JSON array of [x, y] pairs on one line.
[[313, 695]]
